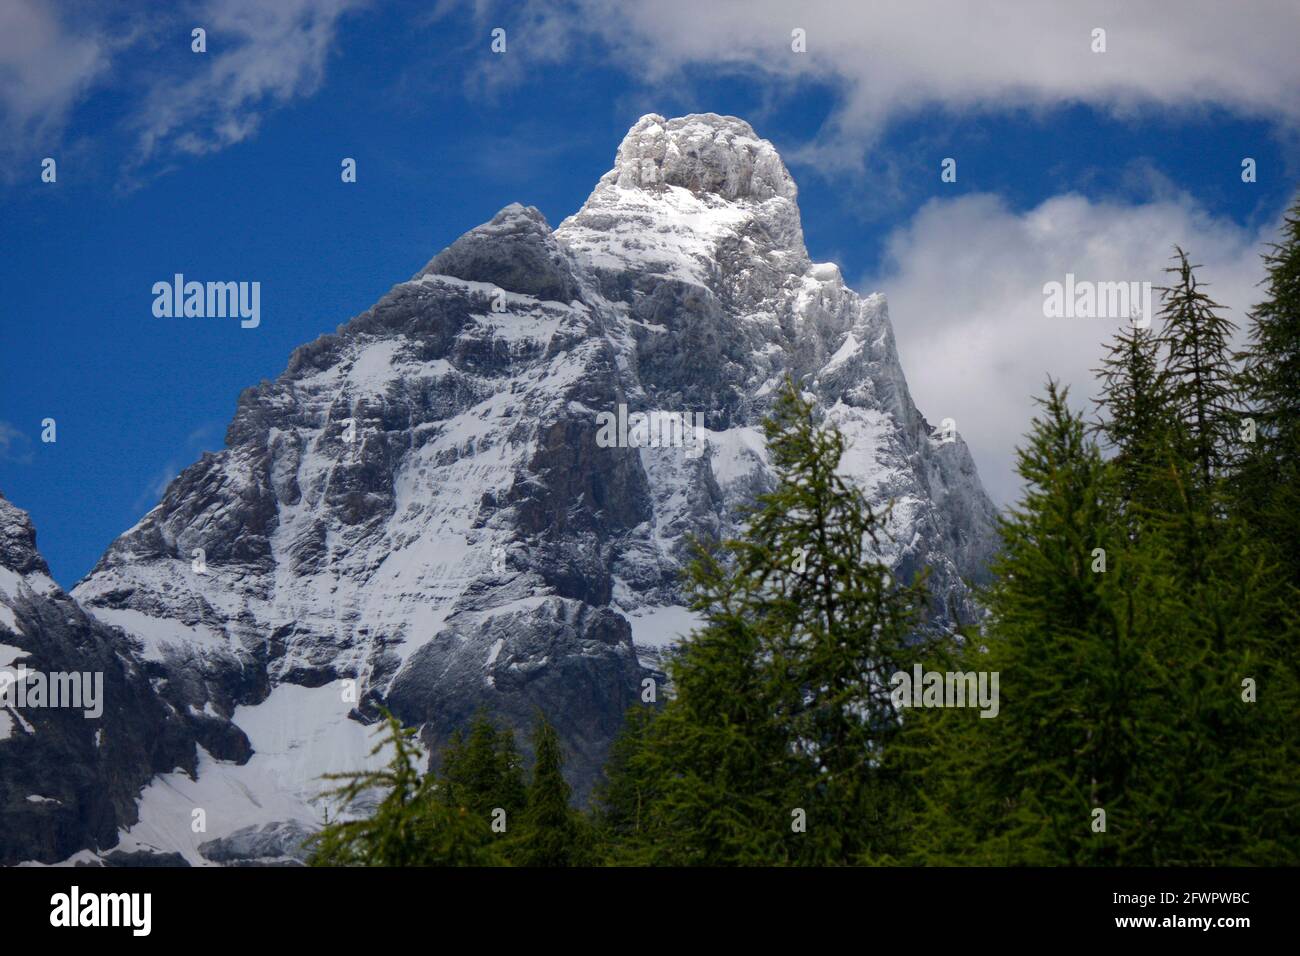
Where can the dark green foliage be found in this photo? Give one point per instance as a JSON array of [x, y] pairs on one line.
[[1136, 422], [1267, 485], [1121, 689], [624, 796], [1198, 380], [712, 764], [483, 772], [1020, 787], [551, 832], [410, 826], [782, 705]]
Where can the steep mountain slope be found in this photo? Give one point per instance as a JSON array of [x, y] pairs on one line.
[[69, 775], [422, 506]]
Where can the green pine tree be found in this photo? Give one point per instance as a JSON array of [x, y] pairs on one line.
[[551, 832], [1122, 684], [772, 749], [483, 772], [627, 789], [1135, 421], [1268, 483], [1199, 379], [713, 766], [410, 826], [1230, 623], [1022, 787]]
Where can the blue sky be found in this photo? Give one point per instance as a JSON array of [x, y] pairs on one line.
[[225, 166]]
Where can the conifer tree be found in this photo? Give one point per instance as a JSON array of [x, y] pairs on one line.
[[838, 626], [1020, 787], [772, 749], [1268, 484], [483, 772], [1230, 630], [1199, 379], [410, 826], [1134, 418], [714, 765], [627, 790], [551, 833], [1123, 686]]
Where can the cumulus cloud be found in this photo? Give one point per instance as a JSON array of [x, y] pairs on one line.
[[965, 277], [889, 58]]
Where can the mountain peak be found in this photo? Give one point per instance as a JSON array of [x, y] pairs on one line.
[[18, 541], [423, 503], [686, 196], [702, 152], [514, 250]]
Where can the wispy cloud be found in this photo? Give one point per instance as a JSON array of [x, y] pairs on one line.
[[536, 33], [198, 441], [260, 56], [47, 64], [14, 445]]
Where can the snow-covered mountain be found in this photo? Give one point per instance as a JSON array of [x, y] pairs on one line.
[[421, 509], [70, 776]]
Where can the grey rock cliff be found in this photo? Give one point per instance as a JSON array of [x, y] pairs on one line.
[[419, 506], [69, 779]]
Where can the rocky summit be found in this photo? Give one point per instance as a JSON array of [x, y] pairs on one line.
[[422, 512]]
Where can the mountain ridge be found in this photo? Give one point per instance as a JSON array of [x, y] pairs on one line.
[[417, 509]]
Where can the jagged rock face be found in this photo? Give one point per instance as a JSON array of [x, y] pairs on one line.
[[421, 502], [273, 844], [695, 244], [69, 781]]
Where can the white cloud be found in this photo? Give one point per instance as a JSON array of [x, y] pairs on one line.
[[259, 55], [536, 33], [889, 58], [46, 66], [14, 445], [965, 278]]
